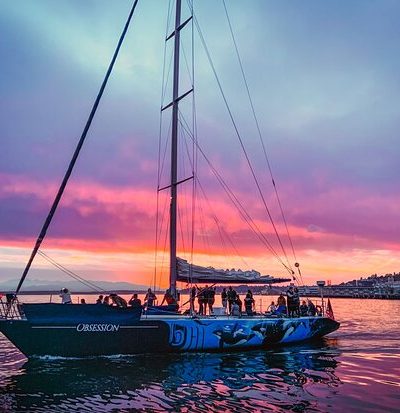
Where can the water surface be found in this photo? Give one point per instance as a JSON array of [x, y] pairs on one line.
[[355, 369]]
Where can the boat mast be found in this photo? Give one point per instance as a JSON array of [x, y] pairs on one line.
[[174, 151]]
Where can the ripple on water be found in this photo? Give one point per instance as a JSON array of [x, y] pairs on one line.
[[355, 371]]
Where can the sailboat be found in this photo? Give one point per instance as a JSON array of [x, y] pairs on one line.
[[75, 330]]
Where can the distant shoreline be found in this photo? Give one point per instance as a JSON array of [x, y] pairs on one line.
[[81, 292], [127, 292]]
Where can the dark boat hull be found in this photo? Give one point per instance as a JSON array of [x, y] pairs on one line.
[[160, 334]]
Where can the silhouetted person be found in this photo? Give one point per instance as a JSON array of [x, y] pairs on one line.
[[312, 311], [290, 301], [211, 299], [202, 299], [224, 298], [249, 303], [168, 298], [135, 301], [304, 309], [150, 298], [281, 305], [232, 295], [118, 301]]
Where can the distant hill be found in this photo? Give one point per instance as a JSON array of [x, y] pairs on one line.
[[74, 286]]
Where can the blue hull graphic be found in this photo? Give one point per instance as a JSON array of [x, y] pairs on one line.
[[229, 333]]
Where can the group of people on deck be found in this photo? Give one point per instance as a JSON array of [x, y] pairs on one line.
[[233, 305], [230, 299], [231, 302], [116, 300], [205, 298], [291, 307]]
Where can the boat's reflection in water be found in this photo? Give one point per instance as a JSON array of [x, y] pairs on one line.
[[282, 379]]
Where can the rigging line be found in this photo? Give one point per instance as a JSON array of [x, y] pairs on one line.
[[163, 217], [181, 228], [164, 252], [183, 192], [183, 143], [222, 239], [224, 247], [244, 214], [259, 130], [76, 153], [234, 247], [205, 233], [164, 221], [163, 82], [220, 228], [156, 240], [159, 169], [217, 222], [242, 211], [186, 63], [165, 150], [70, 273], [204, 194], [241, 141], [167, 77]]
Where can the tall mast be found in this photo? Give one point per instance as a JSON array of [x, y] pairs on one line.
[[174, 155]]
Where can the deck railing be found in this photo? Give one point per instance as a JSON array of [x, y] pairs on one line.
[[9, 308]]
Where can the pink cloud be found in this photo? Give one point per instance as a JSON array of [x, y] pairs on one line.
[[97, 218]]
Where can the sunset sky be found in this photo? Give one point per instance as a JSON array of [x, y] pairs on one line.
[[324, 79]]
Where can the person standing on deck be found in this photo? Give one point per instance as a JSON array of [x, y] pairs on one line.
[[296, 302], [232, 294], [238, 301], [211, 299], [290, 301], [201, 297], [65, 296], [224, 298], [249, 303], [149, 298], [281, 305]]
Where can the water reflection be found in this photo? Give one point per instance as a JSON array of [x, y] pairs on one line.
[[286, 378]]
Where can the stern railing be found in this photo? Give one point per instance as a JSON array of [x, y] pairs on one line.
[[10, 308]]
